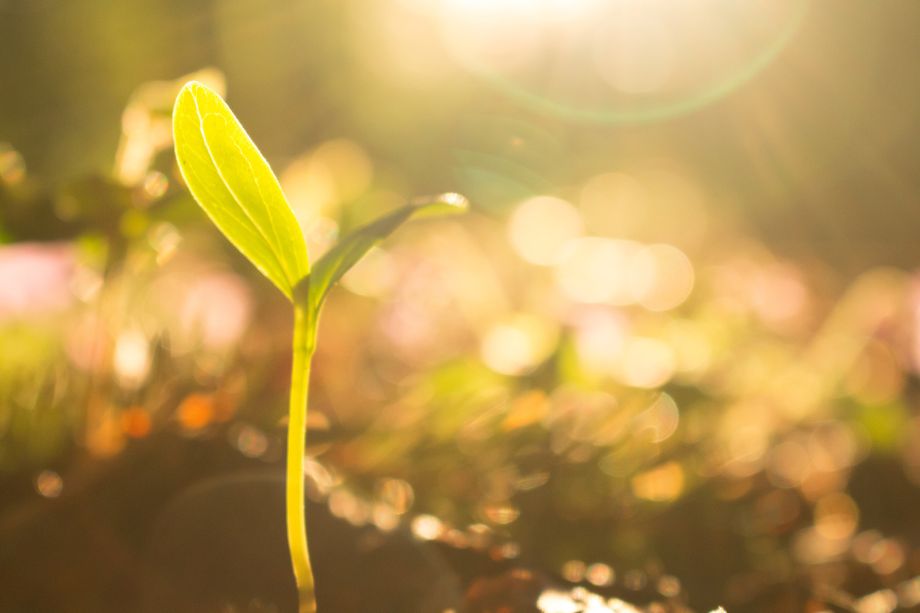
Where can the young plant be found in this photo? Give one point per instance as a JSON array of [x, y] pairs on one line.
[[235, 186]]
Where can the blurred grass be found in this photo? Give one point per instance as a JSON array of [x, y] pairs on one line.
[[703, 346]]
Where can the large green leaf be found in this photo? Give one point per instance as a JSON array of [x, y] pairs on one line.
[[235, 186], [351, 248]]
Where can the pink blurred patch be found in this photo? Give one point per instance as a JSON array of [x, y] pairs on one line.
[[35, 278]]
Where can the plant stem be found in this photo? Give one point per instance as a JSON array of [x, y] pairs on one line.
[[297, 435]]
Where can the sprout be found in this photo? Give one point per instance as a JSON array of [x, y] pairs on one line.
[[235, 186]]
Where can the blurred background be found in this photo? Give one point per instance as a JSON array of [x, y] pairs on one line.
[[669, 359]]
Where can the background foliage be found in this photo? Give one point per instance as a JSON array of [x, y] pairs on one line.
[[676, 341]]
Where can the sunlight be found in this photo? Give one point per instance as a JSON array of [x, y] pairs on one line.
[[623, 61], [559, 306]]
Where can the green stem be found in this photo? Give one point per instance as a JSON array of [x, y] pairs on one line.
[[297, 435]]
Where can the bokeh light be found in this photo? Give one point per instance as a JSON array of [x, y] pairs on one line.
[[667, 362], [541, 227]]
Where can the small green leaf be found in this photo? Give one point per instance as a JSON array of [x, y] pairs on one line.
[[235, 186], [338, 260]]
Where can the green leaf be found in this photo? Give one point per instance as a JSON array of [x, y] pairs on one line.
[[235, 186], [338, 260]]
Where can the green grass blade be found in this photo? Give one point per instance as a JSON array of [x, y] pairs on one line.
[[235, 186], [338, 260]]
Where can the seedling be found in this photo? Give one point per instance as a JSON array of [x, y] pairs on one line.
[[235, 186]]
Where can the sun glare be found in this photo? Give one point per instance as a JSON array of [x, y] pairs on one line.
[[622, 61]]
